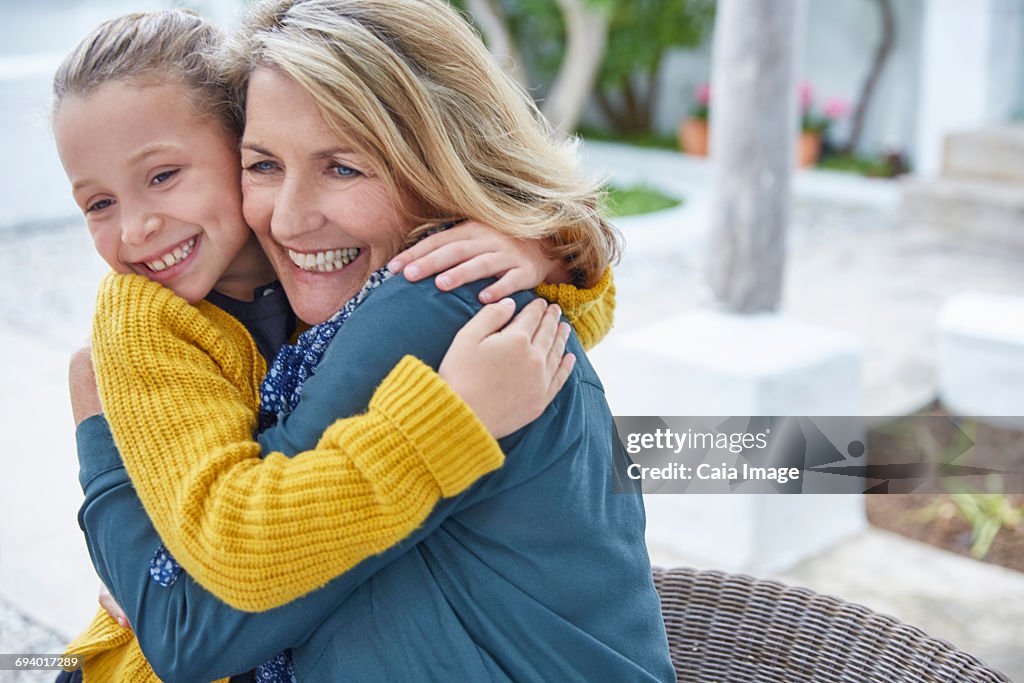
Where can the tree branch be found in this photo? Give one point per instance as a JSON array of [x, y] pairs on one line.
[[586, 35], [493, 23], [874, 73]]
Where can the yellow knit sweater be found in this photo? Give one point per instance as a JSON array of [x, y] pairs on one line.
[[176, 379]]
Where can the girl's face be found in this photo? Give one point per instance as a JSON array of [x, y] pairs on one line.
[[322, 215], [159, 186]]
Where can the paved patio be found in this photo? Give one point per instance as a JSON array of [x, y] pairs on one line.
[[851, 266]]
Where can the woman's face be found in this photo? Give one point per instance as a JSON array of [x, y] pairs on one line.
[[322, 215]]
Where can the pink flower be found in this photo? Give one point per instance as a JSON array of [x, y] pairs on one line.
[[806, 93], [835, 108], [703, 94]]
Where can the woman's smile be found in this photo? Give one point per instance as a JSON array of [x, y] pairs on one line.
[[324, 261]]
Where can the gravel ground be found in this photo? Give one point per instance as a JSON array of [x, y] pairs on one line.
[[48, 277], [21, 635]]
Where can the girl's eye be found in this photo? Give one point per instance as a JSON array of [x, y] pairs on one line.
[[163, 177], [261, 167], [343, 171], [99, 206]]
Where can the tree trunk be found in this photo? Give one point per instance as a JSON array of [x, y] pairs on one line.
[[874, 73], [629, 104], [753, 126], [637, 97], [610, 111], [493, 23], [586, 30], [650, 101]]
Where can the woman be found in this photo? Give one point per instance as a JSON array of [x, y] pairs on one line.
[[385, 115]]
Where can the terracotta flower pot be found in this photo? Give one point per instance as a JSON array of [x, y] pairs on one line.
[[808, 148], [693, 137]]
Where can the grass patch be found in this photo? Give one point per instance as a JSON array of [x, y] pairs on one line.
[[653, 140], [633, 201], [871, 166]]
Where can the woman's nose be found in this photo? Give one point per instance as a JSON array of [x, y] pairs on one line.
[[296, 211], [135, 230]]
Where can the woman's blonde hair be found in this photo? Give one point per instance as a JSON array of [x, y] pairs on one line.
[[409, 84], [148, 48]]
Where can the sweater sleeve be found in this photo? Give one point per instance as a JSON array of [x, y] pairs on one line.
[[185, 632], [176, 379], [590, 311]]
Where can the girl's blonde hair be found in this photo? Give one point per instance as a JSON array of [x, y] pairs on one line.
[[147, 48], [409, 84]]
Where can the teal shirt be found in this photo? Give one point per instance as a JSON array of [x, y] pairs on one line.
[[536, 572]]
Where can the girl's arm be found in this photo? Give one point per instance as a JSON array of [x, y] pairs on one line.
[[591, 311], [473, 251], [179, 385]]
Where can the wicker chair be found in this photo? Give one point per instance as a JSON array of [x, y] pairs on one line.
[[727, 628]]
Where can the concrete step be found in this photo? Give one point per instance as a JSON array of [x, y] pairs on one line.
[[995, 153], [981, 357], [986, 210]]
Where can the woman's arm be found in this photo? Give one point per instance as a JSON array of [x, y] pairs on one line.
[[185, 632]]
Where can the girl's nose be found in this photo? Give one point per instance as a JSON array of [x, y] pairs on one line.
[[136, 230]]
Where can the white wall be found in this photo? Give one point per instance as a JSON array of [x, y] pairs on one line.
[[839, 46], [955, 64], [1006, 58]]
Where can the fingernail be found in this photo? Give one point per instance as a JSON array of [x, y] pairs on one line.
[[486, 297], [412, 272], [558, 311], [395, 266], [122, 623], [572, 360], [444, 281], [507, 303]]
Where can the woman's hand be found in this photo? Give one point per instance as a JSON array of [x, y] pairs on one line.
[[108, 603], [85, 400], [509, 376], [473, 251]]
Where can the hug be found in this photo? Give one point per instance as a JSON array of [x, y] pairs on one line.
[[302, 458]]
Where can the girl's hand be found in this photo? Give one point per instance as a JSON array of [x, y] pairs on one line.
[[472, 251], [509, 376], [108, 603], [85, 400]]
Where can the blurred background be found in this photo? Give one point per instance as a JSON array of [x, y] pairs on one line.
[[895, 285]]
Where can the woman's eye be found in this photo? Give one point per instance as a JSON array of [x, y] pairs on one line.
[[343, 171], [261, 167], [99, 206]]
